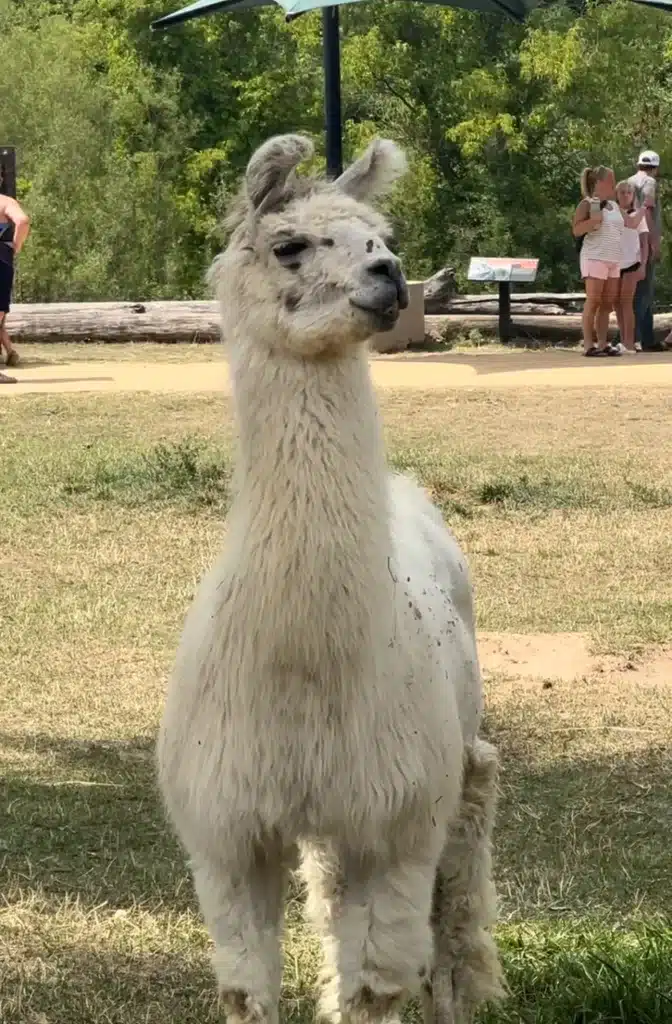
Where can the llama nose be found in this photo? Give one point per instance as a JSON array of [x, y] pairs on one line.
[[387, 268]]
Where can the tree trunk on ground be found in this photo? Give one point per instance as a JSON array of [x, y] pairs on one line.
[[440, 290], [441, 298], [199, 322], [115, 321], [526, 328]]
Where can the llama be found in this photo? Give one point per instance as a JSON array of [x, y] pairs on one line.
[[325, 702]]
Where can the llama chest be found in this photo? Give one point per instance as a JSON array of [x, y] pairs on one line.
[[304, 763]]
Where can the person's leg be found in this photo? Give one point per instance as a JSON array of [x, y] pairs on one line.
[[619, 315], [626, 311], [594, 287], [602, 319], [11, 355], [608, 302], [644, 308], [6, 284]]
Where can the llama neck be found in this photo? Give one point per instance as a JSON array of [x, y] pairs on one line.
[[311, 513]]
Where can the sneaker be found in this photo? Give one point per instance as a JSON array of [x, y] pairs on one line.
[[656, 347], [638, 346], [614, 350], [594, 352]]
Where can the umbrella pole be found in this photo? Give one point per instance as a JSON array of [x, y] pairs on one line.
[[332, 91]]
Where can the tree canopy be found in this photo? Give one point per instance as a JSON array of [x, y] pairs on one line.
[[129, 142]]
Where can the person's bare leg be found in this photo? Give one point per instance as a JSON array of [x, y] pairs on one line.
[[619, 319], [11, 355], [626, 311], [594, 289], [607, 303]]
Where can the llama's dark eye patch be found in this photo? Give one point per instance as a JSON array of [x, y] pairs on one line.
[[288, 253]]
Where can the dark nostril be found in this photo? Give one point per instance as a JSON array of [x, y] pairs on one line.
[[385, 267]]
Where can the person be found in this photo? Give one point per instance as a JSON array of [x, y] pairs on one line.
[[14, 230], [645, 183], [598, 225], [634, 259]]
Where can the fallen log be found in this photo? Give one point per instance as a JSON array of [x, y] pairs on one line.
[[558, 329], [563, 299], [171, 322], [115, 321], [534, 303], [487, 306], [440, 290]]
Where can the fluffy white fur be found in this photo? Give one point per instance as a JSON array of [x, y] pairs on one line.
[[326, 695]]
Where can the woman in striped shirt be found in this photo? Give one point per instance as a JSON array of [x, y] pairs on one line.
[[599, 223]]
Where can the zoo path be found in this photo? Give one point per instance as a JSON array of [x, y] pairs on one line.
[[555, 369]]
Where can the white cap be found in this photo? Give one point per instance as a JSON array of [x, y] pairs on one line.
[[648, 158]]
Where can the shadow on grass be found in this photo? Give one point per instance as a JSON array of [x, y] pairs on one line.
[[582, 834], [88, 822], [79, 985], [85, 822], [555, 977], [574, 838]]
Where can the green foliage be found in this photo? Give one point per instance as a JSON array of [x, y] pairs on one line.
[[183, 473], [130, 142], [585, 975]]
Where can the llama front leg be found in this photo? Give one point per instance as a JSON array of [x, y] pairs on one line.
[[466, 969], [242, 907], [375, 925]]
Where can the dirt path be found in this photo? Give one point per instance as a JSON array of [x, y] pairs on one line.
[[554, 369]]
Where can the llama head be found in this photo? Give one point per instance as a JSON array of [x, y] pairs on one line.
[[308, 270]]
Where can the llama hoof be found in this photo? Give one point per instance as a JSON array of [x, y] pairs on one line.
[[241, 1008]]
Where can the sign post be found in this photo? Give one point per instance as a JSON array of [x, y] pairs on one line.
[[8, 171], [503, 271]]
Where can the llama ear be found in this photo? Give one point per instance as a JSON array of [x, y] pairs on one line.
[[269, 168], [376, 171]]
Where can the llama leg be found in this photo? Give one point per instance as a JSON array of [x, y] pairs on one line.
[[242, 907], [466, 965], [376, 931]]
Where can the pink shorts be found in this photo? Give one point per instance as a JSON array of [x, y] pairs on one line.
[[599, 269]]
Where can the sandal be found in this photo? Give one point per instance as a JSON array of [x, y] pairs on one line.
[[4, 379]]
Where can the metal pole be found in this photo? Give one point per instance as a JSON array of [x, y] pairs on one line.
[[332, 91], [8, 171], [505, 325]]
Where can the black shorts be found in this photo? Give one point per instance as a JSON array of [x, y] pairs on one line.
[[6, 282], [631, 269]]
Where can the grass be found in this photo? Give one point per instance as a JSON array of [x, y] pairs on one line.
[[111, 506]]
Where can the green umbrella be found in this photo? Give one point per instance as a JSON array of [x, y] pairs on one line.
[[516, 9]]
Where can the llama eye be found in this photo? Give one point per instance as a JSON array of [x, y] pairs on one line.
[[288, 253]]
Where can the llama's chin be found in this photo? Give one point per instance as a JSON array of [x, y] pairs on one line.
[[378, 320]]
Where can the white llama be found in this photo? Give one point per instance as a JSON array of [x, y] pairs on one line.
[[326, 696]]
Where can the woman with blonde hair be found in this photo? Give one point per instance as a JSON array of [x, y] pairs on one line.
[[599, 223]]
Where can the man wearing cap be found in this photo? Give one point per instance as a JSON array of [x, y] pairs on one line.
[[646, 191]]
